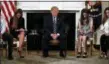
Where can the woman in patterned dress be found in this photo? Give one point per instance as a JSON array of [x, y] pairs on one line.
[[85, 29]]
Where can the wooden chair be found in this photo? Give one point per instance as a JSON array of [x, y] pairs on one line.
[[76, 47], [3, 47], [99, 34], [54, 42], [16, 45], [89, 45]]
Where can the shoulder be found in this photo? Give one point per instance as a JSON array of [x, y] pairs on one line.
[[61, 16], [107, 20], [47, 16]]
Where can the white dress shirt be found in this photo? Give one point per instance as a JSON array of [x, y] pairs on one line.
[[105, 27], [3, 26]]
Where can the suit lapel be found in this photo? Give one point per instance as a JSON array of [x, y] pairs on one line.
[[58, 20], [51, 18]]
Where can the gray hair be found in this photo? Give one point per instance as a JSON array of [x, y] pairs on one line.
[[54, 7]]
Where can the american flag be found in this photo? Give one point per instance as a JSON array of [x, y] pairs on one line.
[[8, 8]]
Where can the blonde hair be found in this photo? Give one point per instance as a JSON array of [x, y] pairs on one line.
[[54, 7]]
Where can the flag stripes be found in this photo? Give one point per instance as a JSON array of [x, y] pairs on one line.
[[7, 11]]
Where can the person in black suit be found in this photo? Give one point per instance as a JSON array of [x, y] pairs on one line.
[[54, 28], [6, 36], [17, 29]]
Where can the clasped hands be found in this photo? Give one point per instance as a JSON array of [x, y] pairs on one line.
[[81, 31], [55, 35]]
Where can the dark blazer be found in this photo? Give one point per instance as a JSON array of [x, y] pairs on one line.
[[21, 23], [48, 25]]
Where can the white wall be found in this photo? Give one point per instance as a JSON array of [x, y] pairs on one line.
[[48, 5]]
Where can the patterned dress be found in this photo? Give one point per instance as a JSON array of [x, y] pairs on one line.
[[85, 30]]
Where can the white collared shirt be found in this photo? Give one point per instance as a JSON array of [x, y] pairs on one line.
[[3, 26], [105, 27]]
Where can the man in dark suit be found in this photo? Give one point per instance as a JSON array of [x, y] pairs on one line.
[[54, 28], [6, 37]]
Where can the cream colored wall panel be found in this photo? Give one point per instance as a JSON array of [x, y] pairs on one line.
[[28, 5], [48, 5]]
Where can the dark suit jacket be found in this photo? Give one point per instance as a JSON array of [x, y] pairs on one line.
[[48, 26]]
